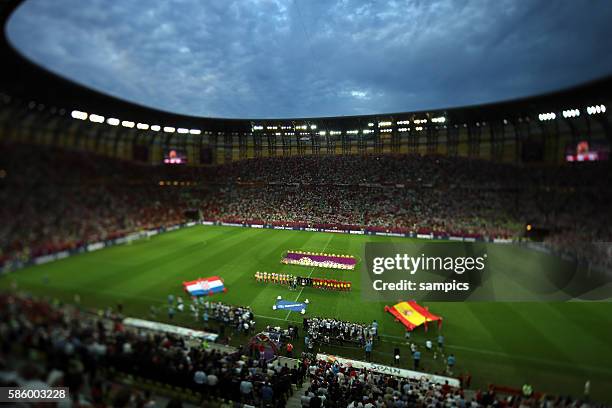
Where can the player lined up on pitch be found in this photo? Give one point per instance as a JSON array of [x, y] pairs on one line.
[[295, 281]]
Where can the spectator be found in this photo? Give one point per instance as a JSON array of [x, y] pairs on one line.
[[416, 356]]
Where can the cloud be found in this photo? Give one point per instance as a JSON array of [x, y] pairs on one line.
[[359, 94], [290, 58]]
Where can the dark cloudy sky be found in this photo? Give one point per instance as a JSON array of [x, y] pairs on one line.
[[303, 58]]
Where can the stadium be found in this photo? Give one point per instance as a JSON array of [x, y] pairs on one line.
[[151, 257]]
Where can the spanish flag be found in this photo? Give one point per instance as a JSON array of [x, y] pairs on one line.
[[412, 315]]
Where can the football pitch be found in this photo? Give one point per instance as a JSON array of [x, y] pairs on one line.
[[554, 346]]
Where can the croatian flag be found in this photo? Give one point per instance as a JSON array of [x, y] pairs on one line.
[[204, 286]]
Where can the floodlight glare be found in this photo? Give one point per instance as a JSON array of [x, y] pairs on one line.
[[96, 118], [79, 115]]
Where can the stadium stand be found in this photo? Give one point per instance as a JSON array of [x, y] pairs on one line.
[[89, 352], [66, 181], [78, 349], [73, 198]]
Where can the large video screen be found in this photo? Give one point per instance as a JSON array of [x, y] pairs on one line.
[[175, 156], [585, 151]]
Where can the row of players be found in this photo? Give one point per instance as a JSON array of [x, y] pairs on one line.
[[294, 281]]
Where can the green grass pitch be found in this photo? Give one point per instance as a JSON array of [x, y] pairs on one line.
[[555, 346]]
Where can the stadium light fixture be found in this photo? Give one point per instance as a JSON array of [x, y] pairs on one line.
[[77, 114], [592, 110], [403, 129], [142, 126], [257, 127], [419, 128], [546, 116], [155, 128], [195, 131], [403, 122], [367, 131], [322, 133], [386, 130], [385, 123], [96, 118], [127, 124], [571, 113], [352, 132], [439, 119], [182, 131], [313, 127], [335, 132], [113, 121], [370, 124], [169, 129]]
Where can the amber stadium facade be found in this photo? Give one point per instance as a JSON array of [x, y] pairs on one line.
[[39, 107]]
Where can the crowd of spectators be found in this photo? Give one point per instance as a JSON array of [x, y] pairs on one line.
[[334, 385], [414, 192], [44, 344], [79, 349], [55, 199], [241, 318], [565, 205], [334, 331]]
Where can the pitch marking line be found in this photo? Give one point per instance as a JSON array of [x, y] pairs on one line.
[[309, 275]]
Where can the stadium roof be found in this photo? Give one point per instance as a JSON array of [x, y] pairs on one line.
[[24, 79]]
